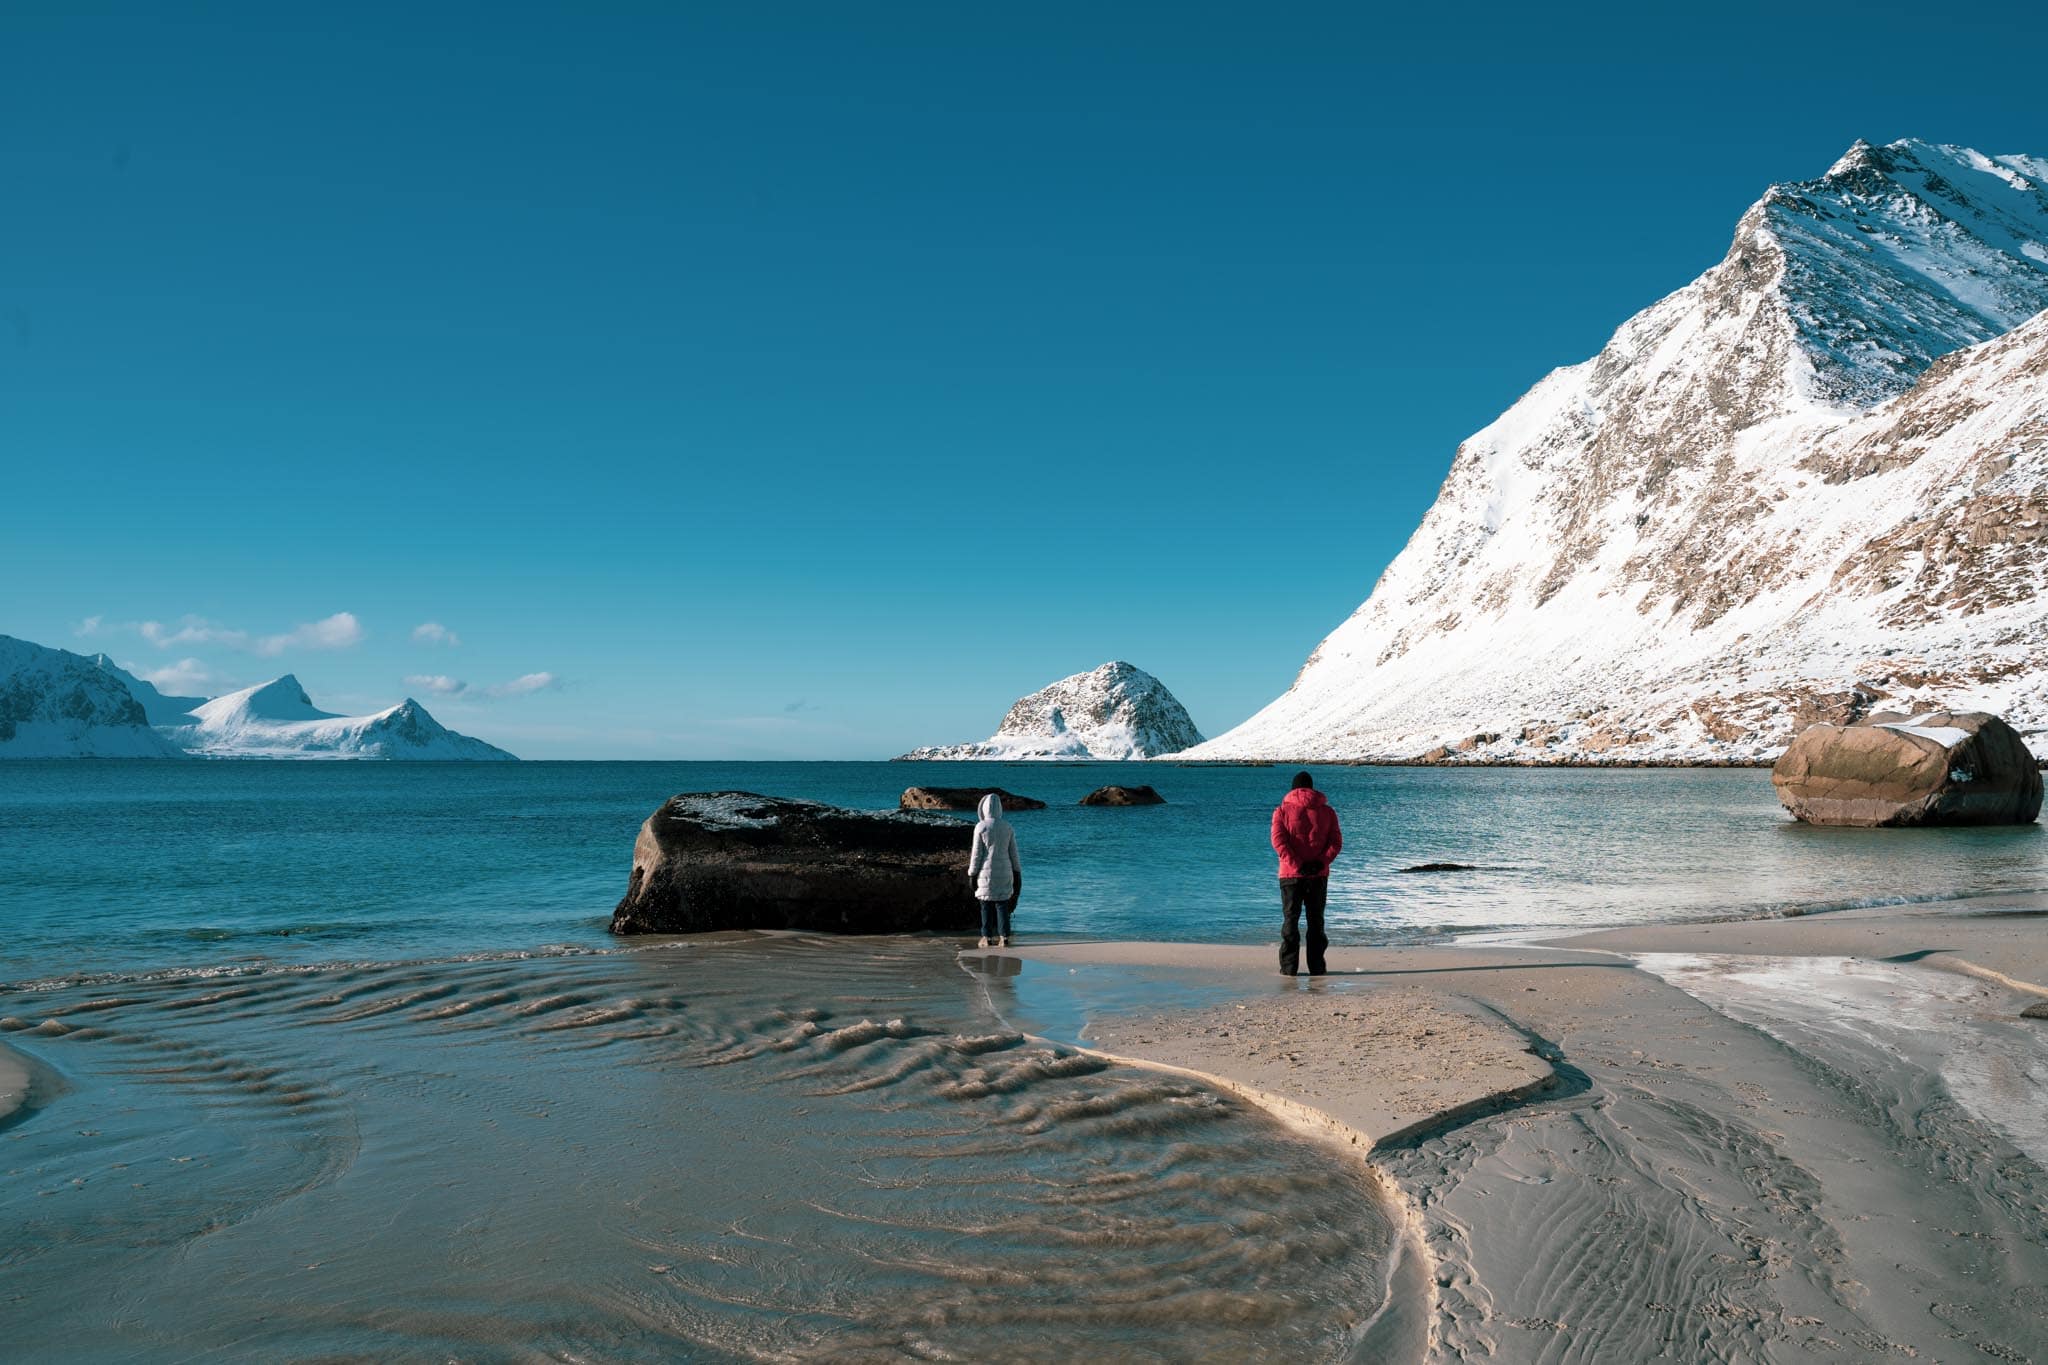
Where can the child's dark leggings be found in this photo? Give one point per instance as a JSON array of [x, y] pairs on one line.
[[992, 913]]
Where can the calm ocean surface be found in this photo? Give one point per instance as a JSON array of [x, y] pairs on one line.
[[338, 1061], [123, 867]]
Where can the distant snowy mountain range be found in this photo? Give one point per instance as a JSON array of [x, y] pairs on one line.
[[56, 704], [1117, 711], [1812, 481]]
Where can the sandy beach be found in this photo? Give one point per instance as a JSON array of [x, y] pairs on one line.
[[1814, 1138]]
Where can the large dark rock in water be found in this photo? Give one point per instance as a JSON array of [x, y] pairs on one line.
[[962, 798], [1123, 796], [1942, 768], [734, 860]]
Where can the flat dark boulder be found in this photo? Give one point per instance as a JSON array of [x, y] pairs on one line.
[[1940, 768], [736, 860], [1444, 867], [961, 798], [1123, 796]]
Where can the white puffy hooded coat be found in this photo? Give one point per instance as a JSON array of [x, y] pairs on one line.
[[994, 868]]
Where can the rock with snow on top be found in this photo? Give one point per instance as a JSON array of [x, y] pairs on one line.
[[1942, 768], [738, 860], [1117, 711]]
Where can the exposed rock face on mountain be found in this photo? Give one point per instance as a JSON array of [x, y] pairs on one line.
[[160, 709], [962, 798], [735, 860], [56, 704], [1118, 711], [1942, 768], [278, 720], [1812, 481]]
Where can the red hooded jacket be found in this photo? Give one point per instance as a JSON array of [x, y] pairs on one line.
[[1305, 834]]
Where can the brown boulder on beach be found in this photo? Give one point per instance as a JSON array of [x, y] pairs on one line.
[[961, 798], [735, 860], [1123, 796], [1940, 768]]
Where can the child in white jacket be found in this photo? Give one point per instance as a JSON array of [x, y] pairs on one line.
[[994, 869]]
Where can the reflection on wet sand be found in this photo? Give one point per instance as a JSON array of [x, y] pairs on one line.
[[633, 1154]]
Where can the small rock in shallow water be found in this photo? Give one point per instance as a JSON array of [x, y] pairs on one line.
[[2038, 1010], [1442, 867], [1123, 796], [962, 798]]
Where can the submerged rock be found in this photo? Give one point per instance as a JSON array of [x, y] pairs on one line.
[[1123, 796], [1443, 867], [1941, 768], [736, 860], [961, 798]]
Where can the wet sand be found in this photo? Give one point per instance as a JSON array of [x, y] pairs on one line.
[[1798, 1139], [739, 1147]]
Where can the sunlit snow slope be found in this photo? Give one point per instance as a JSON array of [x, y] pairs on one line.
[[1812, 482], [278, 720]]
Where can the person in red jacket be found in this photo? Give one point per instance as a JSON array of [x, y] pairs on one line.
[[1306, 836]]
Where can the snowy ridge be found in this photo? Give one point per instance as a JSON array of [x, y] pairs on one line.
[[1117, 711], [160, 709], [278, 720], [56, 704], [1765, 502]]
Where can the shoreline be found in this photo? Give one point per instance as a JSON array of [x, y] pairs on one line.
[[1813, 1178]]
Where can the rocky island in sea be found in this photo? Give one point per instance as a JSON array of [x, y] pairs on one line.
[[1117, 711]]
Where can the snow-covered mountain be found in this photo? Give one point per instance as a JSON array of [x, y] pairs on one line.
[[1812, 479], [56, 704], [278, 720], [1117, 711], [160, 709]]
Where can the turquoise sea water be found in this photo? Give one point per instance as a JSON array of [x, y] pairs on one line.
[[121, 867], [338, 1061]]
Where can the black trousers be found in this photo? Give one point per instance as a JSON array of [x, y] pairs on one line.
[[1296, 895]]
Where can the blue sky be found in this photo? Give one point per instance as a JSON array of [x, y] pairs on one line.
[[811, 380]]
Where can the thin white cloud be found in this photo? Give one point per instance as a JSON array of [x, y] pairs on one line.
[[193, 630], [434, 633], [339, 631], [528, 683], [438, 683], [185, 678], [91, 625]]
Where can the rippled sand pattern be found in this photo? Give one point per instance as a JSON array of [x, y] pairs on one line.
[[746, 1150]]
